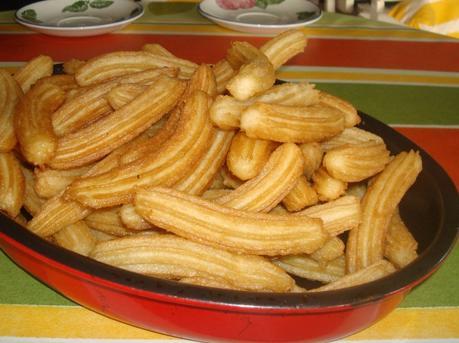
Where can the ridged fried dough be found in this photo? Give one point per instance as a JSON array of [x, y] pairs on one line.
[[354, 163], [282, 123], [164, 167], [173, 257], [12, 184], [373, 272], [97, 140], [278, 176], [247, 156], [32, 122], [226, 111], [300, 196], [252, 78], [284, 46], [306, 267], [378, 205], [337, 216], [115, 64], [10, 94], [235, 230], [35, 69]]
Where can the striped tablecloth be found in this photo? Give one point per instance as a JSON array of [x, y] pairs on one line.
[[404, 77]]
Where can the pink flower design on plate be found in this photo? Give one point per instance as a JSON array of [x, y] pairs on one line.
[[236, 4]]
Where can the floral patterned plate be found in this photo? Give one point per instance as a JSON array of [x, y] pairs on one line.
[[260, 16], [72, 18]]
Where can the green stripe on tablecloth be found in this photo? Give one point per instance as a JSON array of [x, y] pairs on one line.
[[18, 287], [439, 290], [401, 104]]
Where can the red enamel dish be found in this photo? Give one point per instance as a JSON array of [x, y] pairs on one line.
[[430, 209]]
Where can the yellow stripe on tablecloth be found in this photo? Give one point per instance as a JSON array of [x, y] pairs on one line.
[[65, 322], [77, 322], [367, 76], [415, 323]]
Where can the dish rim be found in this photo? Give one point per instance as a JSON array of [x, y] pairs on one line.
[[215, 18], [426, 263], [47, 27]]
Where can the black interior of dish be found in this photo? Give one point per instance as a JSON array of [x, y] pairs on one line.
[[430, 209]]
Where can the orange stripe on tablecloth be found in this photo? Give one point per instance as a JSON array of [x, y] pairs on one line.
[[440, 143], [78, 322], [438, 56]]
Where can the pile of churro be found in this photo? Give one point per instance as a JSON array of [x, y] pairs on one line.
[[212, 175]]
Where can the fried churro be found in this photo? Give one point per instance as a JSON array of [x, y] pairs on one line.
[[235, 230], [34, 130], [173, 257], [278, 176], [247, 156], [164, 167], [378, 205], [119, 127], [282, 123], [10, 94], [12, 184]]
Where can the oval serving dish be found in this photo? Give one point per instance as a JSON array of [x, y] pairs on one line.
[[430, 209], [78, 18]]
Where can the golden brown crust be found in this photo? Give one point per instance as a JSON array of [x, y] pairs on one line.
[[254, 77], [373, 272], [97, 140], [172, 257], [223, 227], [34, 130], [35, 69], [166, 166], [12, 184], [10, 94], [247, 156], [115, 64], [378, 205], [278, 176], [284, 46], [354, 163], [282, 123]]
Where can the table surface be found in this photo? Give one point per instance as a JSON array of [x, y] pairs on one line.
[[406, 78]]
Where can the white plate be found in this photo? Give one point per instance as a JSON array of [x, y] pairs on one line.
[[72, 18], [260, 16]]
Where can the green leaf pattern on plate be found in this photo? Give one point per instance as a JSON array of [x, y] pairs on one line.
[[83, 5], [30, 15], [100, 3], [265, 3], [304, 15]]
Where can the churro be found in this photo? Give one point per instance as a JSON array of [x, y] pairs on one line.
[[282, 123], [97, 140], [10, 94], [34, 130], [12, 184], [278, 176], [234, 230], [173, 257], [164, 167]]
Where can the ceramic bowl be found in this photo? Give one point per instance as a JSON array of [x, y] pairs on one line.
[[77, 18], [430, 209], [262, 16]]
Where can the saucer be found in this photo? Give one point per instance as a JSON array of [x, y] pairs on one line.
[[77, 18], [260, 16]]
